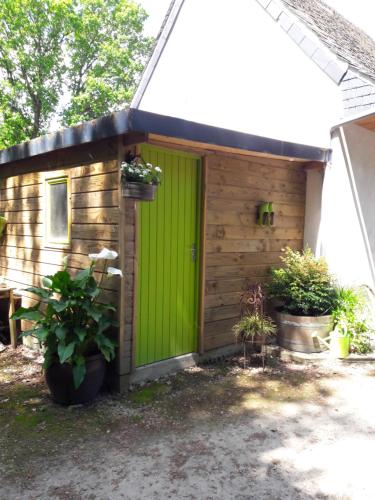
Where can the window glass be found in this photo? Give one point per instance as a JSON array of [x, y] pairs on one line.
[[57, 211]]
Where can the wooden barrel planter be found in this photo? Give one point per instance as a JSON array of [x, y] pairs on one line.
[[139, 191], [298, 333]]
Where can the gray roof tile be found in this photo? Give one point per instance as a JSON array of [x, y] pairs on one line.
[[342, 37]]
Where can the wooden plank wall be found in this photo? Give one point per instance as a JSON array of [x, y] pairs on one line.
[[238, 251], [94, 199]]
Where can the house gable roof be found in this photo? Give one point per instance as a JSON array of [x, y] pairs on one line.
[[340, 36], [341, 50]]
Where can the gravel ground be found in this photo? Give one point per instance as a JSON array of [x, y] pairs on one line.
[[213, 432]]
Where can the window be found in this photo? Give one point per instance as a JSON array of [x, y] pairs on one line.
[[57, 212]]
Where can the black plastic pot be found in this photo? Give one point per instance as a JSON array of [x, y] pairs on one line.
[[59, 378]]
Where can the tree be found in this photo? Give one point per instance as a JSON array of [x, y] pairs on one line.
[[86, 53]]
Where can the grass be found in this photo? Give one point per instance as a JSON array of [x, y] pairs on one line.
[[149, 394]]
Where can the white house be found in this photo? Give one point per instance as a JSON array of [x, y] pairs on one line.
[[292, 70]]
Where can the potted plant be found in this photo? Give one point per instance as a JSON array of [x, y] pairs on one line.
[[306, 293], [352, 329], [255, 327], [139, 179], [72, 326]]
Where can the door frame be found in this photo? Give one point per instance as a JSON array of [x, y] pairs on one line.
[[201, 272]]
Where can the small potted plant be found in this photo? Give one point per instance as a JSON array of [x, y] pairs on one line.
[[139, 179], [255, 327], [72, 326], [306, 293]]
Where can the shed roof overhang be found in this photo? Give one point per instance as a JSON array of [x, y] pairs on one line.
[[364, 119], [134, 120]]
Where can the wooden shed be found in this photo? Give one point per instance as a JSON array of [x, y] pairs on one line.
[[187, 256]]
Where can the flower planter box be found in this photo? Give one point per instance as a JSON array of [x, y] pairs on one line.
[[139, 191], [297, 332]]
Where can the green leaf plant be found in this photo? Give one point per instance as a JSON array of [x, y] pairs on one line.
[[303, 285], [70, 321], [352, 317]]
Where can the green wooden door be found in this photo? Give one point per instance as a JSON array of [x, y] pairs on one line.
[[168, 260]]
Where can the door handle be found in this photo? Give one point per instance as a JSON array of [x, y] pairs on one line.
[[194, 252]]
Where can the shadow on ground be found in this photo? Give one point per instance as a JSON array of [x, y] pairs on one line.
[[226, 427]]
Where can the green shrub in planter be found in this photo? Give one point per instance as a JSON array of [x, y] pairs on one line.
[[303, 285]]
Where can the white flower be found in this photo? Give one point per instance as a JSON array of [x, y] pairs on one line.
[[104, 254], [130, 169], [149, 165], [158, 169], [113, 271]]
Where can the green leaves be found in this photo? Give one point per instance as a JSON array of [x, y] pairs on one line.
[[304, 284], [32, 65], [81, 333], [39, 333], [352, 318], [30, 314], [61, 332], [65, 351], [41, 292], [79, 371], [106, 346], [91, 50], [70, 322], [60, 281]]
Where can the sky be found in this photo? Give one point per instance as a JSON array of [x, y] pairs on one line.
[[360, 12], [156, 9]]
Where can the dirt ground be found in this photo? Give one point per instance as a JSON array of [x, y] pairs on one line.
[[212, 432]]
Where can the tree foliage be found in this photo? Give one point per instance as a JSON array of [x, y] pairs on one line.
[[86, 54]]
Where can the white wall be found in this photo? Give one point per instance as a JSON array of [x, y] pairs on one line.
[[313, 210], [346, 234], [228, 64]]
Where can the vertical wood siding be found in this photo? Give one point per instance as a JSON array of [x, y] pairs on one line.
[[238, 251]]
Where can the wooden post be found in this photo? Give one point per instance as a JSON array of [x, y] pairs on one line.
[[12, 322], [202, 257], [135, 279], [122, 304], [135, 285]]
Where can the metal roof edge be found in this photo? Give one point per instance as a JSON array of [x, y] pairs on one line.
[[94, 130], [135, 120], [144, 121]]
